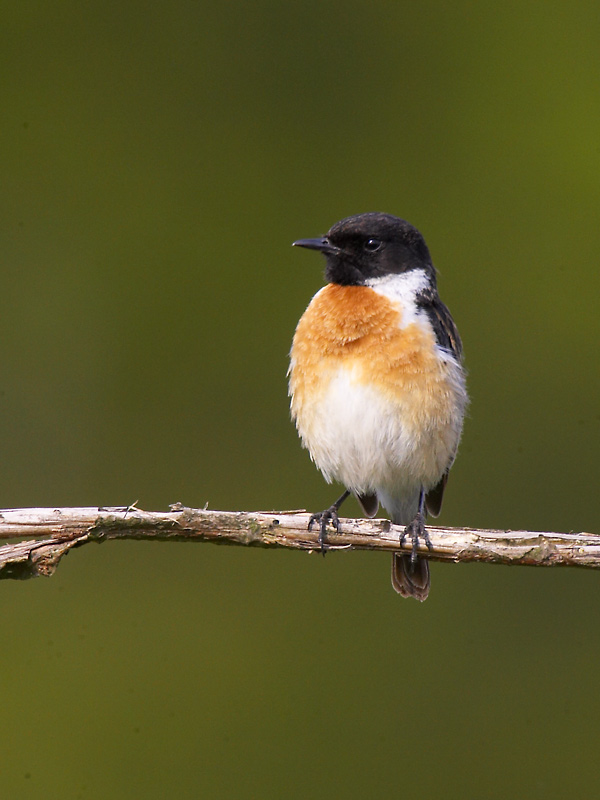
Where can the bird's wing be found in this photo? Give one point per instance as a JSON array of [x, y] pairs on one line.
[[369, 503], [446, 334]]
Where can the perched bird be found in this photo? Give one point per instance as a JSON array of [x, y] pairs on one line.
[[376, 382]]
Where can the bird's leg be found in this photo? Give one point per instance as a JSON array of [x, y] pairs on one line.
[[416, 530], [329, 515]]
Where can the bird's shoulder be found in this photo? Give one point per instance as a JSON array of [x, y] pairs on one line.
[[444, 327]]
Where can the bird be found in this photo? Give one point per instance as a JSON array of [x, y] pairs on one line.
[[377, 382]]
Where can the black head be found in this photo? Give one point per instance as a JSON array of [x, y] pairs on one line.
[[370, 246]]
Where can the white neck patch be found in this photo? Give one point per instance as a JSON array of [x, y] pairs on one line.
[[403, 289]]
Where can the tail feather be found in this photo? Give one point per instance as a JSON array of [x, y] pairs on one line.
[[410, 580]]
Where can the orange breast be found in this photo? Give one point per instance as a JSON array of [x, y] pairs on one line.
[[360, 330]]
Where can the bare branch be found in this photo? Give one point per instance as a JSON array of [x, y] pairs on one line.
[[46, 534]]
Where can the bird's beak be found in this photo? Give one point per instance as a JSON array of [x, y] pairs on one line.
[[323, 244]]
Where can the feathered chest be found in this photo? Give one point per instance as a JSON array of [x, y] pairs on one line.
[[373, 338], [373, 396]]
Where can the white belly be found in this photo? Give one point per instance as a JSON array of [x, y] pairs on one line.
[[370, 443]]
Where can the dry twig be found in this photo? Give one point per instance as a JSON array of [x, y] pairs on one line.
[[47, 534]]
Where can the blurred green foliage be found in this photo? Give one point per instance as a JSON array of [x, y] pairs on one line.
[[158, 161]]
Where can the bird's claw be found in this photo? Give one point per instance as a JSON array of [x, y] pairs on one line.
[[416, 530], [323, 517]]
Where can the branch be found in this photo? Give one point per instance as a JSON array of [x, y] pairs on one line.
[[47, 534]]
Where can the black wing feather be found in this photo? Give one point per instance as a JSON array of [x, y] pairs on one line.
[[369, 503], [446, 332], [446, 335]]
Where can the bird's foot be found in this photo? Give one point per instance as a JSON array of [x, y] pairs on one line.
[[323, 517], [416, 530]]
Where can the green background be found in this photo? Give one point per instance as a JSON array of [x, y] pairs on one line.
[[158, 161]]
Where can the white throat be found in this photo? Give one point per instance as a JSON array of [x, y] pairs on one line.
[[403, 288]]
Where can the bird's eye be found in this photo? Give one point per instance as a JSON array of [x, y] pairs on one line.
[[371, 245]]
